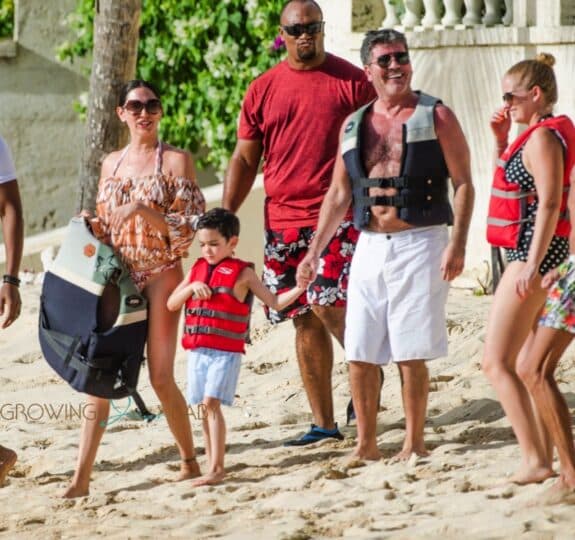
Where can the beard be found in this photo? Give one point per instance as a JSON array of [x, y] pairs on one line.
[[307, 54]]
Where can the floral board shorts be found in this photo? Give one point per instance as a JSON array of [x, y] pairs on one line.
[[559, 310], [285, 248]]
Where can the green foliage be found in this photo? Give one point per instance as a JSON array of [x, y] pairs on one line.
[[201, 55], [6, 18]]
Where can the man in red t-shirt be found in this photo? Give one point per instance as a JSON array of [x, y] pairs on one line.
[[291, 116]]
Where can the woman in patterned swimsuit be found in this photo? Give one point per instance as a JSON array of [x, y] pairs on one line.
[[530, 91], [146, 207]]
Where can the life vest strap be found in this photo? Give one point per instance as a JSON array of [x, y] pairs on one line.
[[216, 314], [512, 194], [399, 201], [200, 329], [223, 290], [399, 182], [498, 222]]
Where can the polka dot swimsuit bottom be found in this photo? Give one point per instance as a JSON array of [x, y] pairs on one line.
[[558, 250]]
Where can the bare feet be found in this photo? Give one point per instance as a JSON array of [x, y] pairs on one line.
[[558, 493], [189, 469], [74, 491], [210, 479], [531, 475], [7, 459], [406, 453], [371, 453]]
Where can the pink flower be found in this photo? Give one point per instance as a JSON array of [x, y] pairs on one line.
[[278, 44]]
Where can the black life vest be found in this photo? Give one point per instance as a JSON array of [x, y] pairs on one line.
[[422, 189], [100, 361]]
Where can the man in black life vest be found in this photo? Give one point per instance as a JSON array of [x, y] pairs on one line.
[[396, 157]]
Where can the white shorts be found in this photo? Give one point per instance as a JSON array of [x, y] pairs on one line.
[[396, 297]]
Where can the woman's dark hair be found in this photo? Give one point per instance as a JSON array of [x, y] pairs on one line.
[[131, 85], [221, 220]]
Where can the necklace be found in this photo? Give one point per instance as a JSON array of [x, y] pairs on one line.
[[130, 168]]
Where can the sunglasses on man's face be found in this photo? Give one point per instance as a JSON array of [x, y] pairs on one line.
[[135, 106], [384, 61], [296, 30]]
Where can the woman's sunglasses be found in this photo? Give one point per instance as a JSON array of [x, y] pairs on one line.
[[135, 106], [510, 97], [384, 61]]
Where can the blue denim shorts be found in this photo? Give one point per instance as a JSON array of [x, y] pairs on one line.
[[212, 373]]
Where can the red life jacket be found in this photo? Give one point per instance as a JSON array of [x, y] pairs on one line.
[[222, 321], [508, 203]]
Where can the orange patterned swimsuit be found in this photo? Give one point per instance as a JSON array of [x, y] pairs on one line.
[[144, 249]]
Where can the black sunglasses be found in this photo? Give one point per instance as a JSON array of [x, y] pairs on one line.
[[296, 30], [135, 106], [384, 61]]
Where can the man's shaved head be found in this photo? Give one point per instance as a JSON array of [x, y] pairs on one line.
[[290, 2]]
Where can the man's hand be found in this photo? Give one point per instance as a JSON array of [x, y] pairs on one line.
[[452, 261], [10, 304], [306, 270]]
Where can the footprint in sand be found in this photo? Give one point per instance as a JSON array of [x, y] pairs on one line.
[[28, 358], [42, 444], [266, 367], [49, 478], [440, 382], [251, 426]]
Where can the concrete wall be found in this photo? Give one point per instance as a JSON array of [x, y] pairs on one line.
[[36, 114]]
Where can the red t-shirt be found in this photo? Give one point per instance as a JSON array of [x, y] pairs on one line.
[[297, 115]]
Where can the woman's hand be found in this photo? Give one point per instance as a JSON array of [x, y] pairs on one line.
[[526, 280], [123, 213], [200, 290], [500, 125]]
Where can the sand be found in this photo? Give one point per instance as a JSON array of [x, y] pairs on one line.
[[272, 491]]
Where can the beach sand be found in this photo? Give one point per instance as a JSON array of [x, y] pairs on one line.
[[272, 491]]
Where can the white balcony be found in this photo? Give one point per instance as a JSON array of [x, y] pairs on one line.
[[438, 14]]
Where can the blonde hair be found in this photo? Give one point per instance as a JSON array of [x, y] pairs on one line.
[[537, 72]]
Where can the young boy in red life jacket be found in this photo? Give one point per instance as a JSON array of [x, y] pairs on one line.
[[217, 296]]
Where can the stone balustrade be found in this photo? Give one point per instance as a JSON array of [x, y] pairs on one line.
[[437, 14]]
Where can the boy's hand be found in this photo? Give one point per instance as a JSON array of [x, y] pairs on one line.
[[307, 270], [200, 290]]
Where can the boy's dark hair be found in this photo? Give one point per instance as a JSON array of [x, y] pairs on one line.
[[221, 220]]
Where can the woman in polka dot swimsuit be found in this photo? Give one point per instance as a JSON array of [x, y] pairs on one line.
[[529, 93]]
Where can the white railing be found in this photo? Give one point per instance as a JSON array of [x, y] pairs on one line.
[[447, 13]]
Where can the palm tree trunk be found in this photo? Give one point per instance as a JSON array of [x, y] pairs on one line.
[[116, 25]]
